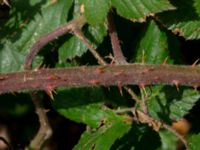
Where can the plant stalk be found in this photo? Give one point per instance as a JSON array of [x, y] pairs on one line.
[[133, 74]]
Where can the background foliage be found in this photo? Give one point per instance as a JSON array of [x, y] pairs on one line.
[[150, 31]]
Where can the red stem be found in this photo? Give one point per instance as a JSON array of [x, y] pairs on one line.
[[48, 79], [118, 55], [42, 41]]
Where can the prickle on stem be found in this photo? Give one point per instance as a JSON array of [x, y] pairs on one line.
[[165, 61], [195, 63], [6, 2], [176, 83], [49, 89], [99, 70], [120, 72], [119, 85], [94, 82]]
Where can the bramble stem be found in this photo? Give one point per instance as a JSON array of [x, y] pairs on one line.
[[45, 131], [118, 55], [41, 42], [136, 74]]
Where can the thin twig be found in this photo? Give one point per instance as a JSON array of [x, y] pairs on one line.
[[82, 37], [9, 146], [144, 100], [45, 130], [118, 55], [156, 124], [5, 2], [180, 137], [133, 95]]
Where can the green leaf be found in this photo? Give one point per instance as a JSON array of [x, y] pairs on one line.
[[153, 47], [181, 107], [42, 23], [74, 47], [167, 103], [23, 29], [187, 26], [137, 10], [139, 137], [84, 105], [96, 33], [197, 6], [103, 137], [190, 29], [193, 142], [10, 59], [168, 140], [96, 10], [71, 48]]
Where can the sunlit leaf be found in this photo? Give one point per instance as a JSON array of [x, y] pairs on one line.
[[96, 11], [10, 59], [71, 48], [153, 47], [137, 10]]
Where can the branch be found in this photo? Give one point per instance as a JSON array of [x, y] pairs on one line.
[[49, 79], [118, 55], [45, 130], [180, 137], [69, 27]]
